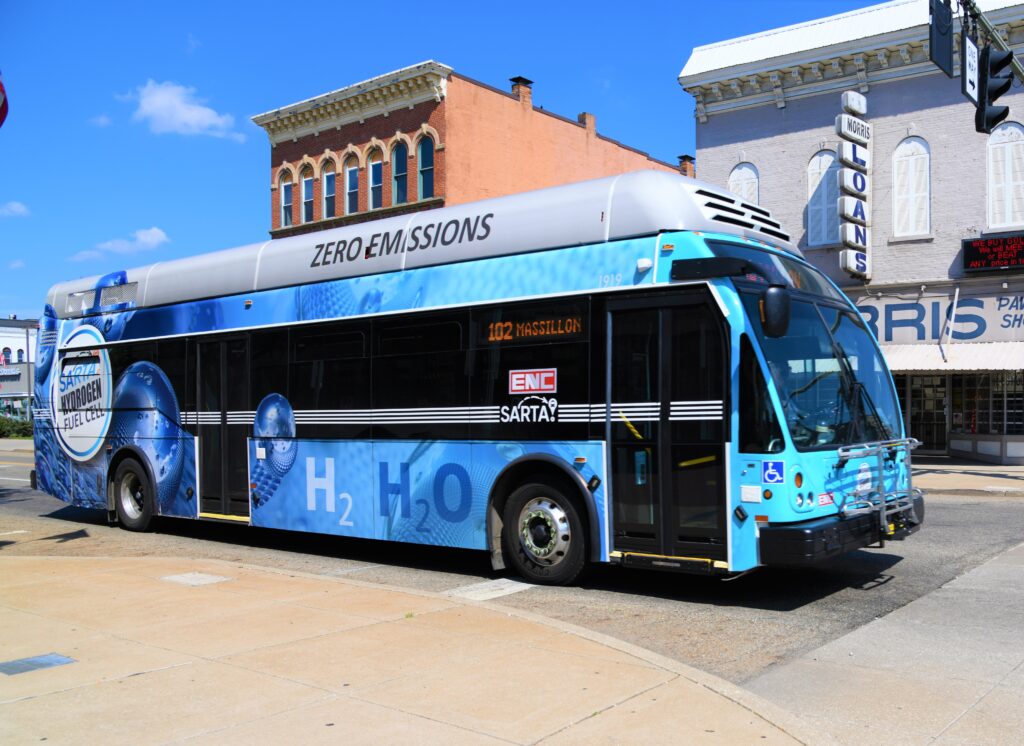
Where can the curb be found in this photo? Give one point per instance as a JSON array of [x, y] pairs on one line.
[[978, 492]]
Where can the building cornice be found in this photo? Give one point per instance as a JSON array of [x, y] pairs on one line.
[[851, 65], [405, 88]]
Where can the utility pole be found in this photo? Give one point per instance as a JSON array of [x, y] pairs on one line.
[[971, 8]]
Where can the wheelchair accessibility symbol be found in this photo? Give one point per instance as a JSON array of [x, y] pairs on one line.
[[773, 472]]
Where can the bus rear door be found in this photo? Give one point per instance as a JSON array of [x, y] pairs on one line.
[[223, 428]]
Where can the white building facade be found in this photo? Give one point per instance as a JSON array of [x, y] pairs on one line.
[[766, 107], [17, 363]]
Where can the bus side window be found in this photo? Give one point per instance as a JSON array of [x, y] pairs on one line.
[[268, 356], [420, 363], [759, 427]]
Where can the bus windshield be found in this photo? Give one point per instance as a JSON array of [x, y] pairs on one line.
[[832, 382]]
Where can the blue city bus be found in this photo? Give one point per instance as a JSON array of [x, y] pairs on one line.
[[639, 369]]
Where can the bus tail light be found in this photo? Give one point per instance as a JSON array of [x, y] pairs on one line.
[[798, 480]]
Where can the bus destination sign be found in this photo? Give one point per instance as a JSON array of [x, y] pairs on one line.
[[993, 253]]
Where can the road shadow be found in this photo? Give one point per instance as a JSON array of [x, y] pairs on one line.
[[767, 588], [774, 589]]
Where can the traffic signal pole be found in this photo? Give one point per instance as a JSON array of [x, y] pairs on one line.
[[995, 38]]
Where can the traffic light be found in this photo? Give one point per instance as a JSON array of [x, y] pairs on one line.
[[992, 83]]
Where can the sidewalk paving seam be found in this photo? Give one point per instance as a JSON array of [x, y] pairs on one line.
[[445, 723], [613, 705], [29, 697]]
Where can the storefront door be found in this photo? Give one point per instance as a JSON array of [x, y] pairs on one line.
[[924, 404]]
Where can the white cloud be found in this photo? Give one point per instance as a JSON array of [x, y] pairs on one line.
[[13, 210], [101, 120], [16, 264], [172, 108], [142, 240], [192, 44]]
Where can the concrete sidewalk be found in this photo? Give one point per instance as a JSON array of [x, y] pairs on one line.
[[212, 652], [954, 476], [947, 668]]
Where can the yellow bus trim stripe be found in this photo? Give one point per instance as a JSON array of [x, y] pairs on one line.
[[220, 517]]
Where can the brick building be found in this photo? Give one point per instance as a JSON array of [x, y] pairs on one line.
[[766, 106], [422, 137]]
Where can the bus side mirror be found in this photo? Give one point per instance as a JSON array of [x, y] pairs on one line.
[[775, 311]]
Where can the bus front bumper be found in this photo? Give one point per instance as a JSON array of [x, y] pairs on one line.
[[813, 541]]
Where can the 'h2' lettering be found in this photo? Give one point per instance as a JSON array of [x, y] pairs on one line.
[[314, 483], [400, 488]]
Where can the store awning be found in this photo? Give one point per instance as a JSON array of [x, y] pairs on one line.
[[959, 356]]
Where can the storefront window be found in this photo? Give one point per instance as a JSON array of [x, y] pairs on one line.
[[988, 403]]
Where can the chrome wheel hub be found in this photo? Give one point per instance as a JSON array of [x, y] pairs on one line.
[[131, 495], [544, 531]]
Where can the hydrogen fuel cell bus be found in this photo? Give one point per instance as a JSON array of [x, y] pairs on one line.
[[639, 369]]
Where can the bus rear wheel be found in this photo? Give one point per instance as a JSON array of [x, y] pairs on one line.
[[544, 535], [133, 496]]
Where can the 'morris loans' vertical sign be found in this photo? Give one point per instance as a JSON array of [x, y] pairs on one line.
[[854, 186]]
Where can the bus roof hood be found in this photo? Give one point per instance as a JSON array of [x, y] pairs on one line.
[[640, 203]]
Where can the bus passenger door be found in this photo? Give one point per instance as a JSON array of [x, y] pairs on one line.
[[666, 428], [224, 425]]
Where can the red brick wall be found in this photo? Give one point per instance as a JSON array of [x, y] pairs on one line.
[[383, 128], [499, 145]]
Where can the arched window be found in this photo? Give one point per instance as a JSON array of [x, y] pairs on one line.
[[743, 182], [21, 356], [307, 195], [351, 186], [425, 156], [376, 180], [1006, 176], [6, 355], [400, 174], [285, 190], [911, 188], [328, 185], [822, 195]]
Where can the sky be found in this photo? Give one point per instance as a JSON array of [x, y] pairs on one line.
[[129, 140]]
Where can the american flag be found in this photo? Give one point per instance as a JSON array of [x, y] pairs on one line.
[[3, 102]]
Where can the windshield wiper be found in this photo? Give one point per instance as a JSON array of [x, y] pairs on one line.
[[848, 381]]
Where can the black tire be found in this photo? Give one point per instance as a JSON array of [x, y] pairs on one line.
[[133, 496], [535, 550]]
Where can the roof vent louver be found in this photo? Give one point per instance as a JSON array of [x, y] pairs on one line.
[[723, 208]]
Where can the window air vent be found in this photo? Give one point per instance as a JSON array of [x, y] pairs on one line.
[[114, 295], [80, 303]]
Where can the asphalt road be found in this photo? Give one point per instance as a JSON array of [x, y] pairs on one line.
[[735, 629]]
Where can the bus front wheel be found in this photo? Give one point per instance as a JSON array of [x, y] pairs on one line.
[[133, 496], [544, 535]]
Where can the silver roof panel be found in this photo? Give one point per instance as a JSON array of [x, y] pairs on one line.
[[612, 208]]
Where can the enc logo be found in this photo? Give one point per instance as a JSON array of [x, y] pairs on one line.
[[535, 381]]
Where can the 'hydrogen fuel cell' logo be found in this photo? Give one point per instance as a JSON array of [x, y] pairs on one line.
[[80, 394]]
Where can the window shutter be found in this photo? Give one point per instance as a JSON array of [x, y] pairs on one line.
[[901, 196], [997, 185], [822, 193], [1015, 167], [919, 190], [831, 202]]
